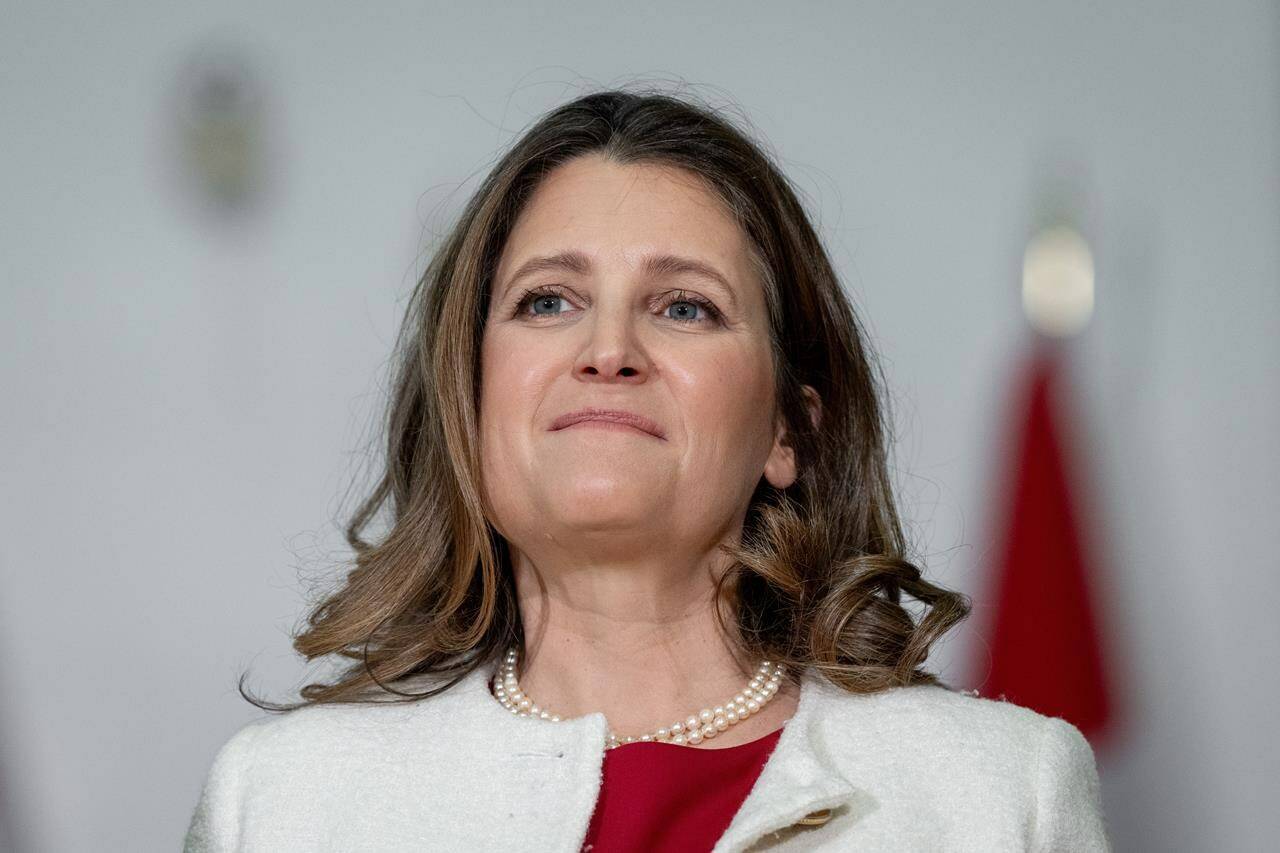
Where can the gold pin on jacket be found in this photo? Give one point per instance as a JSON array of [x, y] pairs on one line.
[[817, 818]]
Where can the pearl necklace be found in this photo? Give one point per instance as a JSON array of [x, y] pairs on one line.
[[703, 725]]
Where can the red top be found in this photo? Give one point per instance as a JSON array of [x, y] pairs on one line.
[[659, 797]]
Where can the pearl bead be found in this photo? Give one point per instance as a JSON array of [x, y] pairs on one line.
[[704, 725]]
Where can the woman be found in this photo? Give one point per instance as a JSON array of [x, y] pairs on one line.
[[641, 587]]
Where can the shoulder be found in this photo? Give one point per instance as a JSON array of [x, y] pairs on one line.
[[940, 719], [965, 751], [328, 732], [278, 763]]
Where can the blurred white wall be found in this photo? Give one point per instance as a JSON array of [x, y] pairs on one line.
[[183, 398]]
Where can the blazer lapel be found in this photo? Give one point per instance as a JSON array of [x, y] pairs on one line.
[[546, 778], [543, 779], [799, 783]]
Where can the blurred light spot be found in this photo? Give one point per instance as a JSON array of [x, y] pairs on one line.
[[1057, 282], [221, 125]]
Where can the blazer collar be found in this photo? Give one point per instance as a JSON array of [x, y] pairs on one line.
[[798, 779]]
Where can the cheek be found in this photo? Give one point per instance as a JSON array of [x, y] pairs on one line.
[[502, 411], [500, 385], [514, 377], [739, 382], [728, 399]]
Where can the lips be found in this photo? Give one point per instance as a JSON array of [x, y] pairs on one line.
[[616, 415]]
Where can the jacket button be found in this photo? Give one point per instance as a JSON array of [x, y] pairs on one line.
[[817, 818]]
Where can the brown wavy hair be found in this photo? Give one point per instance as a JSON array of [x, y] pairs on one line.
[[817, 577]]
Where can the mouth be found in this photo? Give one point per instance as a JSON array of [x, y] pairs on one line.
[[609, 417]]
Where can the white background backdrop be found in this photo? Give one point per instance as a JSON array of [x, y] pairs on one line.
[[185, 402]]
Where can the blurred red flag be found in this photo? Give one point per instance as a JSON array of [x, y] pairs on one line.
[[1046, 652]]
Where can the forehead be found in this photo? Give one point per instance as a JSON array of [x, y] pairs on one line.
[[616, 212]]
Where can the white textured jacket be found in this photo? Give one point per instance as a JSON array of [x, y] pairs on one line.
[[911, 769]]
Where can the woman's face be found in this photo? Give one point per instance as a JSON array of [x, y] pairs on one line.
[[612, 325]]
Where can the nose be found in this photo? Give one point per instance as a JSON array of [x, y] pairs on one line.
[[612, 351]]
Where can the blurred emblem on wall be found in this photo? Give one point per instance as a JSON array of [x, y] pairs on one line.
[[221, 112]]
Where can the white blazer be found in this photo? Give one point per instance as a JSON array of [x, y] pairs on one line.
[[917, 768]]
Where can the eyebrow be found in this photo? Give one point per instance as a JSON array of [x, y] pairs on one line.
[[655, 266]]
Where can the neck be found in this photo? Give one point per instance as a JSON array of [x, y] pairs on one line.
[[640, 644]]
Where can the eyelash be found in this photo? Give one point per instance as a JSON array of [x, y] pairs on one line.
[[714, 315]]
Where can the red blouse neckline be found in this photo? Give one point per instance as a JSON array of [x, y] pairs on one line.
[[658, 797], [773, 735]]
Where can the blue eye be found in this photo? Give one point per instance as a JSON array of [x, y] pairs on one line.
[[539, 296], [685, 302], [542, 299], [545, 296], [709, 311]]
